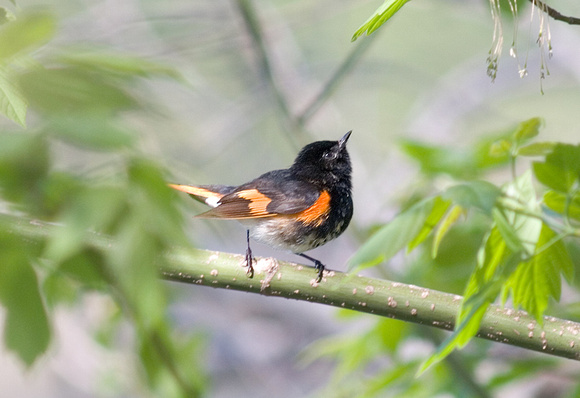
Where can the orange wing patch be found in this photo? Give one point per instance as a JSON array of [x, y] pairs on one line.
[[258, 202], [317, 213], [249, 203]]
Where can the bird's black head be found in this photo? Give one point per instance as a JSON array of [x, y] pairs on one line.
[[324, 160]]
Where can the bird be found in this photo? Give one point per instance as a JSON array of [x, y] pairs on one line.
[[295, 209]]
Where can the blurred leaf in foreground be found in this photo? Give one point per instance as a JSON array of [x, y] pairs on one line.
[[561, 169], [13, 104], [26, 32], [26, 328]]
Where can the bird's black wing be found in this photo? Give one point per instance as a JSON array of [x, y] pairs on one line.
[[276, 192]]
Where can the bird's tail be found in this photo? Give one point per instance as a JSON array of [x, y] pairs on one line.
[[208, 194]]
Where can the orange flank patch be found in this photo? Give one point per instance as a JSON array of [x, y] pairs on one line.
[[196, 191], [316, 213], [258, 203]]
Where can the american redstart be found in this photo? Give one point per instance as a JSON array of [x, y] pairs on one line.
[[295, 209]]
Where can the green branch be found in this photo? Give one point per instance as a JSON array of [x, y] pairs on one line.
[[395, 300], [374, 296]]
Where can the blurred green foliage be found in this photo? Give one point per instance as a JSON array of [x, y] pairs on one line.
[[485, 242], [78, 98]]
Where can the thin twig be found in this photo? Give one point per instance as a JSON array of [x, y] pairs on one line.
[[297, 123], [555, 14], [337, 77], [253, 26]]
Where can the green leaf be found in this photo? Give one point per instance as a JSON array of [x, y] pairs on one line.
[[527, 130], [393, 237], [537, 149], [26, 329], [353, 354], [438, 210], [554, 176], [93, 130], [13, 104], [561, 170], [446, 223], [557, 254], [380, 16], [6, 16], [390, 332], [479, 194], [457, 162], [491, 256], [535, 281], [507, 231], [155, 202], [27, 32], [458, 339], [438, 159], [522, 369], [501, 148], [134, 261], [558, 202], [70, 90], [510, 238], [24, 162], [482, 154], [59, 188], [495, 262], [412, 226], [566, 156], [58, 290], [122, 64], [521, 193], [478, 297], [92, 209], [86, 267]]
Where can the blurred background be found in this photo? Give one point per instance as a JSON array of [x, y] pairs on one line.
[[249, 93]]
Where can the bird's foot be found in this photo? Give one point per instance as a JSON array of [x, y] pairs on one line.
[[320, 268], [248, 263]]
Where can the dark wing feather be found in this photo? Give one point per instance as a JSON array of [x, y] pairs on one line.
[[268, 195]]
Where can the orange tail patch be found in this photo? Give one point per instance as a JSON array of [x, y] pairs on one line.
[[198, 193]]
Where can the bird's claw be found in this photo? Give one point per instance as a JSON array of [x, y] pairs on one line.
[[249, 262], [320, 268]]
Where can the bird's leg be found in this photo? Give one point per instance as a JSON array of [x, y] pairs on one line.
[[249, 257], [317, 265]]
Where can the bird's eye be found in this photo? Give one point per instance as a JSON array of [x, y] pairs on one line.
[[331, 155]]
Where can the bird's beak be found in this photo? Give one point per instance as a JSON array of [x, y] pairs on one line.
[[343, 140]]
